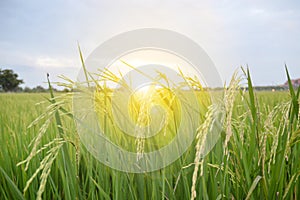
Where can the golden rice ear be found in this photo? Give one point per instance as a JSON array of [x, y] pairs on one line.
[[202, 132], [230, 93]]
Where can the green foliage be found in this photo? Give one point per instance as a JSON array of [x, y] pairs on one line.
[[9, 80], [260, 159]]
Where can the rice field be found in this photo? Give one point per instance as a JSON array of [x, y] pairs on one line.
[[256, 157]]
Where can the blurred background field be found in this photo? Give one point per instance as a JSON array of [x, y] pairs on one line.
[[261, 159]]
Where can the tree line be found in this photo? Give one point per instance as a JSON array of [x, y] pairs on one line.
[[9, 82]]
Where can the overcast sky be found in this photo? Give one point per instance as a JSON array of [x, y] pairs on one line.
[[41, 36]]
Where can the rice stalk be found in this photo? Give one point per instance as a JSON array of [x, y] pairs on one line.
[[281, 112], [53, 152], [229, 98], [46, 163], [143, 120], [202, 131], [37, 141]]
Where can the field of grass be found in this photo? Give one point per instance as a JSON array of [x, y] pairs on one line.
[[256, 157]]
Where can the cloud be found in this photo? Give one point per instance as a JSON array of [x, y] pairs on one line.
[[43, 35], [258, 11], [48, 62]]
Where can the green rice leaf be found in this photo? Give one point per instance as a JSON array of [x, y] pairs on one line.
[[253, 186], [17, 194]]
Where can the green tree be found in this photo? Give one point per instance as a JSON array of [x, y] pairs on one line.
[[9, 80]]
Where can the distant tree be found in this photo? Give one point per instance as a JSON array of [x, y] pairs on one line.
[[9, 80], [27, 89], [19, 89], [66, 90], [38, 89]]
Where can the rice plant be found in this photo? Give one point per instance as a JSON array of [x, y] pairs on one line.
[[256, 157]]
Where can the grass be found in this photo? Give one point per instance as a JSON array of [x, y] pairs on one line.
[[257, 156]]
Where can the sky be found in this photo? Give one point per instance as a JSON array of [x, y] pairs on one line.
[[37, 37]]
